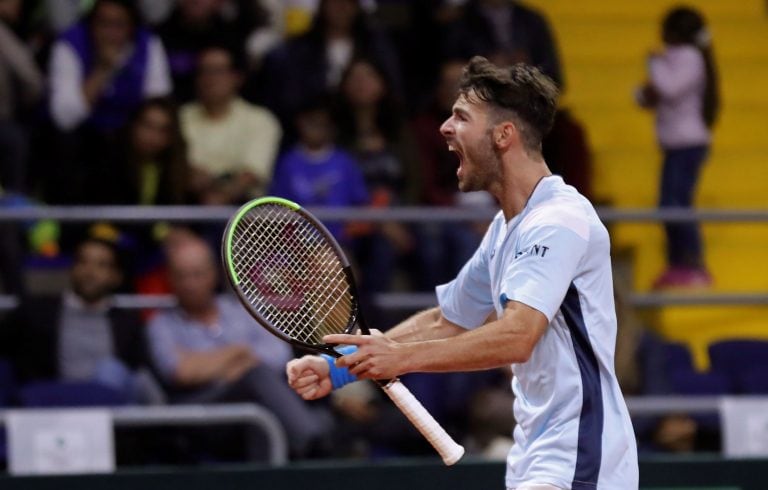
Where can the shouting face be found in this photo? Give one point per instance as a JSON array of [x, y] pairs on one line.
[[469, 134]]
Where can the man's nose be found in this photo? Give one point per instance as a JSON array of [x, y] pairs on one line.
[[446, 129]]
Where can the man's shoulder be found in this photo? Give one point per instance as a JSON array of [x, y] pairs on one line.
[[190, 112], [252, 112], [166, 318], [567, 210]]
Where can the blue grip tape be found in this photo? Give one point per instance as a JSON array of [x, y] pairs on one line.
[[340, 376]]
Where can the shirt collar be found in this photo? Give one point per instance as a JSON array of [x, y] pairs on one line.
[[75, 302]]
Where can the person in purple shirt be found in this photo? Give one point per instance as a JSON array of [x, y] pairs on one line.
[[103, 66], [315, 172]]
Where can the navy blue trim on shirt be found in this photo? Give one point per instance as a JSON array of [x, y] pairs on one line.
[[590, 450]]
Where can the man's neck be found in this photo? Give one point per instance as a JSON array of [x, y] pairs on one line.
[[206, 313], [218, 109], [521, 174], [74, 300]]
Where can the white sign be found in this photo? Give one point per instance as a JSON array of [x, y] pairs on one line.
[[745, 427], [60, 441]]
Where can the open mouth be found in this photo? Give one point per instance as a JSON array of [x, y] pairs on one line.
[[453, 149]]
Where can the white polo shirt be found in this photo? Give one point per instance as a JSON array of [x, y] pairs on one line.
[[573, 428]]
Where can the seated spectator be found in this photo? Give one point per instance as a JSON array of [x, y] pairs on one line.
[[192, 26], [315, 172], [209, 349], [148, 164], [232, 144], [103, 66], [312, 64], [263, 21], [80, 336]]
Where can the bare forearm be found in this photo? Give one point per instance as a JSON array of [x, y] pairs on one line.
[[425, 325], [508, 340], [487, 347]]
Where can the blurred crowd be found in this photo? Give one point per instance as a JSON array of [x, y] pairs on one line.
[[203, 102], [215, 102]]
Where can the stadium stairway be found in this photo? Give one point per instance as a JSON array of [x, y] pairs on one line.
[[604, 46]]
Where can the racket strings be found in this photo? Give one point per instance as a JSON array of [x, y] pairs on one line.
[[290, 274]]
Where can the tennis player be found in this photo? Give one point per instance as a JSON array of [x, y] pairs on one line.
[[537, 294]]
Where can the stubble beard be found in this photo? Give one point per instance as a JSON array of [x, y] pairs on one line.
[[485, 167]]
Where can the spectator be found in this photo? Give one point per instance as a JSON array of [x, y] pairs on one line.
[[232, 143], [263, 20], [372, 128], [192, 26], [103, 66], [80, 336], [312, 64], [208, 349], [21, 84], [148, 165], [315, 172], [682, 90], [506, 32]]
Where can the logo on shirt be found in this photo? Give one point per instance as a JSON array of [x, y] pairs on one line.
[[534, 250]]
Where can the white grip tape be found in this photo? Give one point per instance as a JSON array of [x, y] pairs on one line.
[[449, 450]]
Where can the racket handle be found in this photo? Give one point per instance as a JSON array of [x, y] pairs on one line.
[[448, 449]]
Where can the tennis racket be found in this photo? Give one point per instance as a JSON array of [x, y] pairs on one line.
[[293, 278]]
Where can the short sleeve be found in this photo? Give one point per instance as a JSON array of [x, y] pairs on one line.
[[157, 82], [67, 102], [468, 300], [539, 273]]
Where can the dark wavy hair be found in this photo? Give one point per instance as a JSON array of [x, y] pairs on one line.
[[389, 109], [521, 89], [360, 26], [128, 5], [685, 25], [174, 173]]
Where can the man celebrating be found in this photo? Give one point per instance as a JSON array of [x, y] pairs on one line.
[[536, 295]]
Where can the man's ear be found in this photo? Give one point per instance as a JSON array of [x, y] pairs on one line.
[[505, 134]]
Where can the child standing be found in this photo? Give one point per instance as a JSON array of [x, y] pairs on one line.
[[682, 90]]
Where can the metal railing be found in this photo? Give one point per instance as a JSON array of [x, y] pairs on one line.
[[220, 214], [202, 415], [412, 214]]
